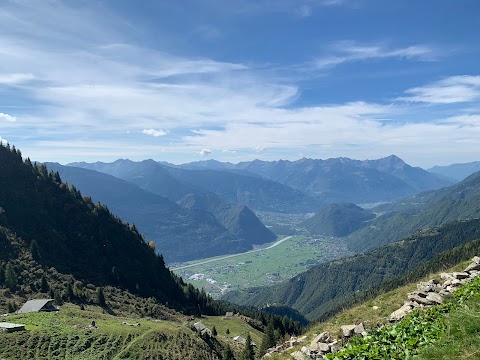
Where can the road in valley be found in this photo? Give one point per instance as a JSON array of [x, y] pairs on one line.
[[233, 255]]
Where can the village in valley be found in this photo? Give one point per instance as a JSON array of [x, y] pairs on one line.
[[263, 266]]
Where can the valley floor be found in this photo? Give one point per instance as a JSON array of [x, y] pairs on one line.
[[263, 266]]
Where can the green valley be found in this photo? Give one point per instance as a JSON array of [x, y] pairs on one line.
[[263, 266]]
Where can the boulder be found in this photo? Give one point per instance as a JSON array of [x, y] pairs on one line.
[[298, 355], [472, 266], [323, 347], [428, 286], [434, 297], [359, 329], [323, 337], [347, 330], [400, 313], [446, 276], [420, 299], [460, 275]]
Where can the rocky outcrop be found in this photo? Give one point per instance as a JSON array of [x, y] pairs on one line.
[[432, 292], [428, 294]]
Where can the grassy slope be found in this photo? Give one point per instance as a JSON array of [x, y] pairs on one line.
[[460, 341], [67, 335]]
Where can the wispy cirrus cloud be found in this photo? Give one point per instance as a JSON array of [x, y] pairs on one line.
[[454, 89], [350, 51], [15, 78]]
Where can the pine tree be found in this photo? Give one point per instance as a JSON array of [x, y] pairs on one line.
[[228, 354], [10, 277], [248, 353], [2, 274], [214, 331], [101, 296], [268, 339], [44, 287], [34, 250]]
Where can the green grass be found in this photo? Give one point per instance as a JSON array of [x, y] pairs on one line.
[[375, 312], [67, 334], [268, 266], [462, 336], [234, 324]]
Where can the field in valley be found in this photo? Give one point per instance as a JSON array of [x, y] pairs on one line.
[[261, 267]]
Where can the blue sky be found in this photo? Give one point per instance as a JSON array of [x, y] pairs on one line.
[[236, 80]]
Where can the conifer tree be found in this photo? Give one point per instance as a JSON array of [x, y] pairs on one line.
[[248, 353], [101, 296], [10, 277], [228, 354]]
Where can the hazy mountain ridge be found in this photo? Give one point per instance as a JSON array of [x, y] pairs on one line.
[[427, 209], [181, 234], [341, 179], [175, 183], [457, 172]]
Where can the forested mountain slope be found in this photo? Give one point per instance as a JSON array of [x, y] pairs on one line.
[[338, 220], [428, 209], [50, 225], [180, 234], [325, 287]]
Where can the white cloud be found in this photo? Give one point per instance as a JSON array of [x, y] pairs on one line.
[[454, 89], [154, 133], [3, 141], [15, 78], [205, 152], [7, 117], [348, 51]]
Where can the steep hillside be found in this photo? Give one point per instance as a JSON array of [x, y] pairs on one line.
[[428, 209], [179, 234], [49, 225], [457, 172], [326, 287], [338, 220]]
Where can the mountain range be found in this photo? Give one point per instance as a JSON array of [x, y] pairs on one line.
[[340, 179], [428, 209], [457, 172], [180, 233]]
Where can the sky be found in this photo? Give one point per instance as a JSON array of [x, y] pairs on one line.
[[237, 80]]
